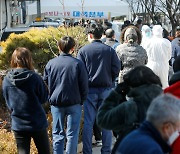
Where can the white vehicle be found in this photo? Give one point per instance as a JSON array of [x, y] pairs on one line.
[[44, 24]]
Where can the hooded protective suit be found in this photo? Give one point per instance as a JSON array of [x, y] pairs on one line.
[[159, 53]]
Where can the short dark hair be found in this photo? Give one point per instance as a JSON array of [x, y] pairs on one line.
[[141, 75], [109, 33], [96, 30], [66, 44], [176, 64]]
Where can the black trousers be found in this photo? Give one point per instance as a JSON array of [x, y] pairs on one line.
[[23, 140], [97, 132]]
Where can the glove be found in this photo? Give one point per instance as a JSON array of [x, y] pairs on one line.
[[122, 88]]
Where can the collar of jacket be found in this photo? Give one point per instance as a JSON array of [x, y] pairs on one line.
[[97, 41], [147, 126], [64, 54]]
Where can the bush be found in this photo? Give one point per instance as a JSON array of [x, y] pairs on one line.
[[41, 42], [43, 45]]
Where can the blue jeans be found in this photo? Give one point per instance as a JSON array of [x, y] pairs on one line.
[[94, 100], [73, 115]]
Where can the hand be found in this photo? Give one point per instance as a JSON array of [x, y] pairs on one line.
[[122, 88]]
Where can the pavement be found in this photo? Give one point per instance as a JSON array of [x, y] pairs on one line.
[[95, 149]]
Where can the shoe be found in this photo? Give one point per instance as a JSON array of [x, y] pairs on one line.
[[99, 143]]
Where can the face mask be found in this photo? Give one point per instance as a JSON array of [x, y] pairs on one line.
[[148, 34], [173, 137]]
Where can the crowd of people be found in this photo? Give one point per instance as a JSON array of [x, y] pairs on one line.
[[123, 88]]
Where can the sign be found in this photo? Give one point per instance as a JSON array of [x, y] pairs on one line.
[[90, 14], [58, 14], [77, 14]]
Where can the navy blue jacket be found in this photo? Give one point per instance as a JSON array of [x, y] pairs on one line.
[[101, 62], [67, 80], [24, 92], [145, 140]]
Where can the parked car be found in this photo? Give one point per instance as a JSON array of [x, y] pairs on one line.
[[44, 24], [8, 31]]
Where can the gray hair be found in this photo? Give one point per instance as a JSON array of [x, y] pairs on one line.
[[164, 108]]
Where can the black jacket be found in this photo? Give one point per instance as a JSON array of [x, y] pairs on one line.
[[119, 115]]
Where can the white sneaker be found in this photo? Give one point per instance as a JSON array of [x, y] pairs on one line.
[[99, 143]]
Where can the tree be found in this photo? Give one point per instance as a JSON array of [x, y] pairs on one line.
[[153, 8], [170, 9]]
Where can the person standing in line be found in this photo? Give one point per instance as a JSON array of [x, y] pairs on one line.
[[129, 51], [67, 80], [110, 38], [174, 89], [103, 67], [159, 53], [175, 45], [25, 92], [126, 106]]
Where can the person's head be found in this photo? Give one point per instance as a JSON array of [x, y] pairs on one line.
[[95, 32], [164, 115], [21, 58], [110, 33], [176, 64], [66, 44], [157, 30], [177, 31], [139, 24], [106, 25], [146, 31], [131, 34], [141, 75]]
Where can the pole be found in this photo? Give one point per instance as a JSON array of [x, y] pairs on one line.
[[38, 10], [1, 17]]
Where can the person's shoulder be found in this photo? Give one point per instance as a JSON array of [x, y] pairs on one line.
[[85, 47], [142, 139]]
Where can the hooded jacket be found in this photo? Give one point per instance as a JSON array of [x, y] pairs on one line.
[[118, 115], [24, 92]]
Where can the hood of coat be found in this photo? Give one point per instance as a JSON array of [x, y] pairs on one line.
[[157, 31], [145, 93], [19, 76]]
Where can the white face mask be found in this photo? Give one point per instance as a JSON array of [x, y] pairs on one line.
[[173, 137]]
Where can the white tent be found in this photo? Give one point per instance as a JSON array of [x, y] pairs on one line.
[[74, 8]]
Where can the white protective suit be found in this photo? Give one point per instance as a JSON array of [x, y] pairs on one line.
[[159, 53]]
